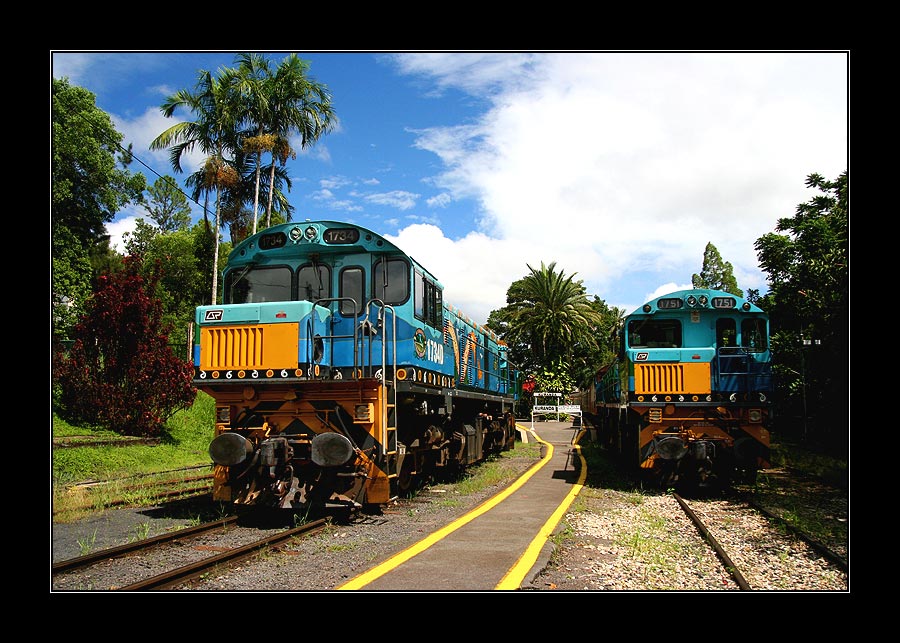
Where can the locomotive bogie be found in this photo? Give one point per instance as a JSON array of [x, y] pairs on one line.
[[301, 442]]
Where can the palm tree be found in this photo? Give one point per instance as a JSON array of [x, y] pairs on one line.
[[252, 81], [550, 314], [214, 131], [294, 104]]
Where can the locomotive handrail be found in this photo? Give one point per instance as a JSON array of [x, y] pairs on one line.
[[333, 337], [390, 394], [381, 323], [751, 375]]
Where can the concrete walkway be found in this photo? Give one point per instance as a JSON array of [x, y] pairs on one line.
[[503, 543]]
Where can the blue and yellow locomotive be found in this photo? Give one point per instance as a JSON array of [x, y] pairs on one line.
[[688, 398], [341, 379]]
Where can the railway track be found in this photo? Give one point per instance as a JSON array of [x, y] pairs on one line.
[[825, 551], [141, 545], [752, 543], [139, 556], [193, 571], [744, 551], [720, 551], [121, 492]]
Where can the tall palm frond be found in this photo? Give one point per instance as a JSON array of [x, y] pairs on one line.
[[214, 131]]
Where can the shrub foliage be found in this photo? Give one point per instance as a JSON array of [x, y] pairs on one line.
[[120, 372]]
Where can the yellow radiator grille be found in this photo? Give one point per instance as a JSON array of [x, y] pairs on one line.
[[249, 347], [671, 378]]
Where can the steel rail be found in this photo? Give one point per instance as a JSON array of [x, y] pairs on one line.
[[121, 550], [723, 555]]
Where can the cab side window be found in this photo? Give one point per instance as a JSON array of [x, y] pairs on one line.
[[753, 335], [353, 285], [391, 281], [428, 303], [726, 333]]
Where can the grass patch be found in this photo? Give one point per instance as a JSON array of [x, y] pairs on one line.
[[498, 470], [834, 471], [184, 443]]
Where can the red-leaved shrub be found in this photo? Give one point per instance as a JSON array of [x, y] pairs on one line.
[[120, 372]]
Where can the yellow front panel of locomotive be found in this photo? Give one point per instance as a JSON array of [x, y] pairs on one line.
[[664, 379], [260, 346]]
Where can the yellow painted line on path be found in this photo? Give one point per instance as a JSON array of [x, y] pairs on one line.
[[367, 577], [516, 574]]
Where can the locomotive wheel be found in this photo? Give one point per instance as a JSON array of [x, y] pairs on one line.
[[663, 476], [407, 479], [746, 476]]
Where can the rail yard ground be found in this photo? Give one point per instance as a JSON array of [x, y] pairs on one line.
[[602, 543]]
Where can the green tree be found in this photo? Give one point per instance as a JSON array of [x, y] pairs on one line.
[[120, 372], [89, 184], [167, 205], [217, 113], [138, 240], [547, 316], [589, 357], [185, 257], [808, 300], [716, 274], [555, 377]]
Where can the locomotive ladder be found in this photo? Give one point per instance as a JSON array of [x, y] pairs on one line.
[[389, 449], [389, 442]]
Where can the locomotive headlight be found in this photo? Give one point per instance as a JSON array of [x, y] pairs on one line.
[[692, 301], [755, 416], [364, 413], [223, 415], [670, 447], [703, 300]]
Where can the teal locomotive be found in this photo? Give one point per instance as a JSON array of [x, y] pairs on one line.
[[687, 400], [341, 378]]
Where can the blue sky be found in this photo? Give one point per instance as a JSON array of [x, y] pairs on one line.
[[618, 166]]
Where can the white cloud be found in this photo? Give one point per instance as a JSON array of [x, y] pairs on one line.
[[439, 201], [619, 166], [118, 228], [400, 199], [141, 130]]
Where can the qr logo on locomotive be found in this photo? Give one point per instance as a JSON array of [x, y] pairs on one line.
[[641, 357], [213, 315]]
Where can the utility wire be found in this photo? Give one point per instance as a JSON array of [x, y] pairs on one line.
[[96, 127]]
